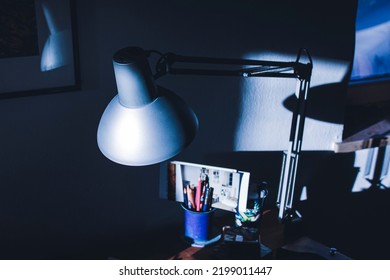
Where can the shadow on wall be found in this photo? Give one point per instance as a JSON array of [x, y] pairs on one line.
[[321, 103]]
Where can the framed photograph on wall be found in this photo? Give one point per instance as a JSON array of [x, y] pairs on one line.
[[38, 47]]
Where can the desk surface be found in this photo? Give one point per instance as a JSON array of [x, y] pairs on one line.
[[274, 245]]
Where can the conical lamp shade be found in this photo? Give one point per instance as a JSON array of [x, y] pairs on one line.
[[153, 130]]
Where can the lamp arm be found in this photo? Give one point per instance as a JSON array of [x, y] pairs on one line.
[[291, 156], [191, 65], [258, 68]]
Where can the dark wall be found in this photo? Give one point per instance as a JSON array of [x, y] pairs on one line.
[[59, 196]]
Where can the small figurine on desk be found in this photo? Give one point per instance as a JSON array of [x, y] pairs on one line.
[[251, 216], [242, 241]]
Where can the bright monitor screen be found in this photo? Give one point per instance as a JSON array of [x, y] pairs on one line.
[[372, 47]]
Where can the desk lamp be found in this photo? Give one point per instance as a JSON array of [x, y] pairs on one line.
[[146, 124]]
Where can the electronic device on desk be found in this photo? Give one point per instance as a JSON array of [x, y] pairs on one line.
[[242, 243]]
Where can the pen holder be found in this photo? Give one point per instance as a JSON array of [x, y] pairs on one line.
[[197, 226]]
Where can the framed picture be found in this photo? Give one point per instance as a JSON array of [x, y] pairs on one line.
[[38, 52], [185, 182]]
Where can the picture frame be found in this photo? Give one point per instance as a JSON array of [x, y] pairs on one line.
[[230, 186], [38, 47]]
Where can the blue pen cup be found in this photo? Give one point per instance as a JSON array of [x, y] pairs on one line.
[[197, 226]]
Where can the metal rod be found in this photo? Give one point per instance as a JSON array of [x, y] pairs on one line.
[[290, 164], [283, 171], [173, 64], [173, 58], [239, 73]]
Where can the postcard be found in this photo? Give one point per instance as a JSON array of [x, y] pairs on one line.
[[181, 182]]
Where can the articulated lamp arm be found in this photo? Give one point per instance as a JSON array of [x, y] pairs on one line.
[[189, 65]]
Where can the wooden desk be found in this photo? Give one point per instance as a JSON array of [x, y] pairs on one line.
[[274, 245]]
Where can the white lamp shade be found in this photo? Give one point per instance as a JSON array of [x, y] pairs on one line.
[[143, 124], [148, 134]]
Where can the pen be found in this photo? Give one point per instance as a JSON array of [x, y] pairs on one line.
[[202, 196], [208, 199], [198, 194]]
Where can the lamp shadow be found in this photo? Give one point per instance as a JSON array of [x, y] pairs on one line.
[[325, 103]]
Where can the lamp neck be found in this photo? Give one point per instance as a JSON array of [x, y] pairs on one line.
[[134, 77]]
